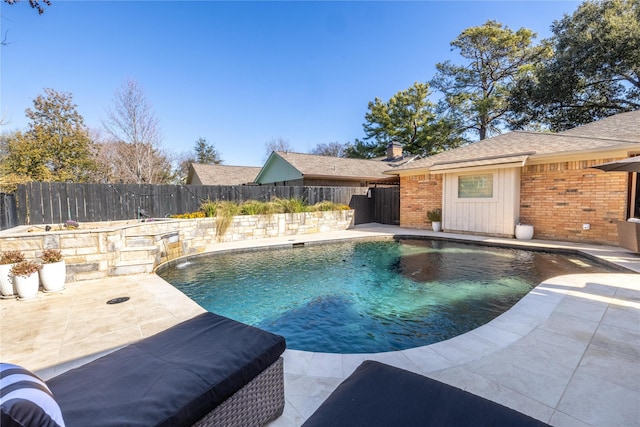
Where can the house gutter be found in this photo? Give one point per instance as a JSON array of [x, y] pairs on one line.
[[614, 151], [493, 166]]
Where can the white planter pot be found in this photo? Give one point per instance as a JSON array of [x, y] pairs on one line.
[[53, 276], [27, 287], [524, 232], [436, 225], [6, 281]]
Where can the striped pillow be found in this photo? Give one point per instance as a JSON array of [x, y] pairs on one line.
[[25, 400]]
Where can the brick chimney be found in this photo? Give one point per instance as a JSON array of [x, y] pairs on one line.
[[394, 150]]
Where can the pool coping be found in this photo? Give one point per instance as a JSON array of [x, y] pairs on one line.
[[565, 248]]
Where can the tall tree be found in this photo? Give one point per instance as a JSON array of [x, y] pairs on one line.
[[135, 153], [476, 93], [594, 71], [408, 118], [56, 146], [359, 149], [206, 152], [276, 144], [332, 149], [203, 152], [116, 160]]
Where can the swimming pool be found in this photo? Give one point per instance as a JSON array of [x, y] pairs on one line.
[[369, 296]]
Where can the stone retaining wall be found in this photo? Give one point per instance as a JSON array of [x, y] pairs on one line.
[[126, 248]]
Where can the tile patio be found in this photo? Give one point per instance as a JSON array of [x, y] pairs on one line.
[[568, 353]]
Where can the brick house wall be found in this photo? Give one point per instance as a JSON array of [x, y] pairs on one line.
[[418, 195], [557, 198]]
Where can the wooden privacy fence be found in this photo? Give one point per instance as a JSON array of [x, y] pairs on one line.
[[385, 208], [8, 211], [55, 203]]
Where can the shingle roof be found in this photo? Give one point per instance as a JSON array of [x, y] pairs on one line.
[[311, 165], [223, 175], [517, 146], [623, 126]]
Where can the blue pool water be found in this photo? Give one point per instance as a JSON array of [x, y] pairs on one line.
[[368, 296]]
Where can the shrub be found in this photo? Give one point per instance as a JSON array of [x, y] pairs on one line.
[[11, 257], [329, 206], [253, 207], [209, 208], [225, 212], [292, 205], [50, 256]]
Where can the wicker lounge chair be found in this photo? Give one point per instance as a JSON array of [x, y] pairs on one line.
[[208, 370], [381, 395]]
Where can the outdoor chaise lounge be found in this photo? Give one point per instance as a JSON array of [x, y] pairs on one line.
[[208, 370], [381, 395]]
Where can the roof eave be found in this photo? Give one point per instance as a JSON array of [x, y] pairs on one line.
[[620, 150], [345, 178]]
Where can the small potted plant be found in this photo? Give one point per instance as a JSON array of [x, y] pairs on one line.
[[7, 260], [53, 272], [435, 216], [25, 279]]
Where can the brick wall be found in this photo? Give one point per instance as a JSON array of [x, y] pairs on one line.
[[557, 198], [418, 195]]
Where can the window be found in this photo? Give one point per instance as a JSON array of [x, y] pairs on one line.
[[475, 186]]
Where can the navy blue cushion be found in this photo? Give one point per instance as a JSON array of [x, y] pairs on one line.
[[381, 395], [173, 378], [25, 400]]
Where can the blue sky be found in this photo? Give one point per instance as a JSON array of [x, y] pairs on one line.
[[241, 73]]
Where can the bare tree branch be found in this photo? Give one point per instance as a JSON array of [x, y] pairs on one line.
[[35, 4]]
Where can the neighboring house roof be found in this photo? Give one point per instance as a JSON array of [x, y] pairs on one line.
[[201, 174], [286, 166], [513, 148]]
